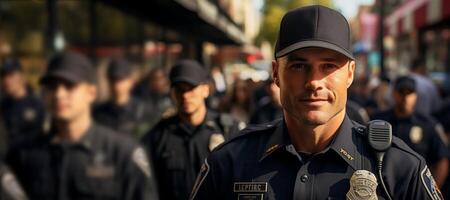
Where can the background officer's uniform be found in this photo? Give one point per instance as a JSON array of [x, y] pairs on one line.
[[179, 149], [262, 163], [102, 165]]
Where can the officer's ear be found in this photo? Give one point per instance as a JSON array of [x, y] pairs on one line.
[[205, 90], [351, 72], [275, 77], [92, 92]]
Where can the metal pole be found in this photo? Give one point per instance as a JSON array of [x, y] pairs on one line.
[[52, 25]]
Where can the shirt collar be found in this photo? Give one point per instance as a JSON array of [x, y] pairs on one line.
[[85, 141], [279, 139], [344, 142]]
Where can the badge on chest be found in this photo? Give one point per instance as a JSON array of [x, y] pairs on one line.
[[250, 190]]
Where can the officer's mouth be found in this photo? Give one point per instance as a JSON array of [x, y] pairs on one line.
[[313, 102]]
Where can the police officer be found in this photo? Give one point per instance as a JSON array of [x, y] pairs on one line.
[[123, 112], [315, 151], [180, 143], [22, 112], [419, 131], [77, 158]]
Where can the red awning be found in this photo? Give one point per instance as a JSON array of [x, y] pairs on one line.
[[414, 14]]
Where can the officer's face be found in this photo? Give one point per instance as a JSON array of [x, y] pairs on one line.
[[120, 87], [405, 101], [189, 98], [12, 82], [68, 101], [313, 84]]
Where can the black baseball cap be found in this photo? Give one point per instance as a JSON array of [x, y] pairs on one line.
[[118, 69], [70, 66], [188, 71], [9, 66], [405, 84], [313, 26]]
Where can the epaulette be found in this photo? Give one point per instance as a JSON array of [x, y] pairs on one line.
[[399, 144], [251, 130]]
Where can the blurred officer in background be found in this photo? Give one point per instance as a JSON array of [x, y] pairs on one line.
[[419, 131], [180, 143], [22, 112], [428, 98], [123, 112], [154, 91], [77, 158], [269, 107], [315, 151]]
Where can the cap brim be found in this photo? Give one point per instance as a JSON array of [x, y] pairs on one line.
[[314, 43], [60, 75], [186, 80]]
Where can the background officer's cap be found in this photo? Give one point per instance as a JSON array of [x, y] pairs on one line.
[[118, 69], [188, 71], [9, 66], [405, 83], [313, 26], [70, 66]]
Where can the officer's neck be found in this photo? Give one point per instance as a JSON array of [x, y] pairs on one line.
[[195, 118], [312, 138], [121, 100], [402, 114], [73, 130]]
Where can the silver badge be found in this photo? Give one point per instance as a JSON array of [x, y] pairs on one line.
[[415, 134], [29, 114], [215, 140], [363, 186]]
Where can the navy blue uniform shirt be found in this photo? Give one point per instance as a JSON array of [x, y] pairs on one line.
[[178, 151], [262, 163], [102, 165]]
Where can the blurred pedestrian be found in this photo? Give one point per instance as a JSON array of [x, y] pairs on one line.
[[416, 129], [123, 112], [77, 158], [357, 113], [154, 91], [269, 107], [428, 98], [179, 144], [238, 102], [22, 112]]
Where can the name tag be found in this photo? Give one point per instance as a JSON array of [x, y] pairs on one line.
[[248, 187]]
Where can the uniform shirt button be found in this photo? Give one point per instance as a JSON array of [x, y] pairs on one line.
[[304, 178]]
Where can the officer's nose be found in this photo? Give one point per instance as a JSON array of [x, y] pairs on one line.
[[313, 79]]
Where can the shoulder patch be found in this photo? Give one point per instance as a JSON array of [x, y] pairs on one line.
[[11, 186], [430, 185], [204, 170], [139, 157]]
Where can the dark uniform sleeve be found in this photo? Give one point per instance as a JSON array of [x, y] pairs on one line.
[[438, 148], [406, 174], [140, 182]]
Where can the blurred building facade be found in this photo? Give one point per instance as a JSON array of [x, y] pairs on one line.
[[418, 28]]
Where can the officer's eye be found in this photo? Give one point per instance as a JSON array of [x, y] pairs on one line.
[[329, 66], [298, 66]]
